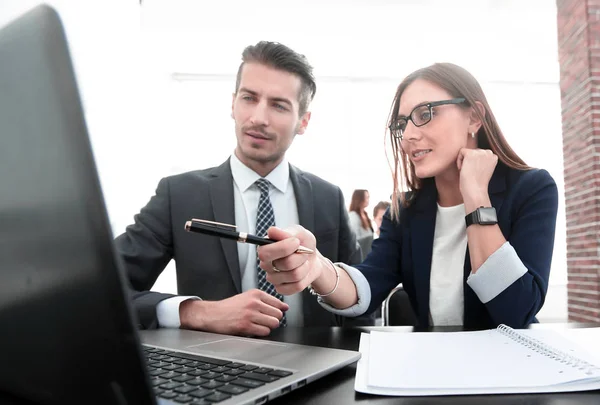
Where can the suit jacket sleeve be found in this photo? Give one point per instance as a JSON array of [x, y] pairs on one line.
[[381, 268], [532, 237], [146, 248]]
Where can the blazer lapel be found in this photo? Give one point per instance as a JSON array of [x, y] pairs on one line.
[[221, 196], [497, 186], [422, 230], [304, 199]]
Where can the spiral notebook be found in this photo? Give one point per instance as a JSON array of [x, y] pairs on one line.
[[496, 361]]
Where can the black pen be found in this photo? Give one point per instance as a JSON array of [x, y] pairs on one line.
[[229, 232]]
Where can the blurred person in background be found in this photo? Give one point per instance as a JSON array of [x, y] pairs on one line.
[[378, 211], [360, 223]]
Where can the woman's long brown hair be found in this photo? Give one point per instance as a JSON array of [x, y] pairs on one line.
[[358, 197], [458, 83]]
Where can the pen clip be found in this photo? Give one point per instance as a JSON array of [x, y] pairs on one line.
[[215, 224]]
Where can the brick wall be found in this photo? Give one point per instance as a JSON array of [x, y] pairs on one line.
[[579, 57]]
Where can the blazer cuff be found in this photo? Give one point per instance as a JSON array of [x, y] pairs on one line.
[[167, 311], [363, 291], [497, 273]]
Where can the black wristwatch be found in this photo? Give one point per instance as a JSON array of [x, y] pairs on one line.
[[482, 216]]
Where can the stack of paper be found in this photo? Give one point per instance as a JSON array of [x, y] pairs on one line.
[[483, 362]]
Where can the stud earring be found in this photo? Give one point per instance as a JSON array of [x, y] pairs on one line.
[[473, 135]]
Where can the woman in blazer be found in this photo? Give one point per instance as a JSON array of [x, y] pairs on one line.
[[472, 238]]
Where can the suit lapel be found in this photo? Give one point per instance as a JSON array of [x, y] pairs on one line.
[[304, 199], [221, 196], [422, 230]]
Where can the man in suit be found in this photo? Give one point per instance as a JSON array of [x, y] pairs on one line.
[[219, 281]]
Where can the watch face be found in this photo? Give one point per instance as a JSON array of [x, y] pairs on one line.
[[487, 216]]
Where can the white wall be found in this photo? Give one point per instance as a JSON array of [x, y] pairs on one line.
[[157, 82]]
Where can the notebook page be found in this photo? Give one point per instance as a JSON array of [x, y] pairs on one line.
[[586, 338], [459, 360], [581, 343], [584, 342]]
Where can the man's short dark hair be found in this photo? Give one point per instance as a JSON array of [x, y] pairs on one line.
[[279, 56]]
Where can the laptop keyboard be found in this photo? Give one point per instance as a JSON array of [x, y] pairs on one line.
[[200, 380]]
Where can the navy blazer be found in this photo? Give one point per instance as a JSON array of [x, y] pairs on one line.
[[526, 203]]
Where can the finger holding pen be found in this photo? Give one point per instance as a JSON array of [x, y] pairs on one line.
[[289, 271]]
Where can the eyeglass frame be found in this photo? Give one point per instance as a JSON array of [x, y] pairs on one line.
[[430, 105]]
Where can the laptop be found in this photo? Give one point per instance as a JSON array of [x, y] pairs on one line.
[[66, 325]]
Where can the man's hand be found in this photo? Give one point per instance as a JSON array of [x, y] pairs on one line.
[[251, 313]]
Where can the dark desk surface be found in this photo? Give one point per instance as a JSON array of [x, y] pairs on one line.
[[338, 388]]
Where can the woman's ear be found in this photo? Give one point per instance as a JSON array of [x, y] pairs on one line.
[[476, 120]]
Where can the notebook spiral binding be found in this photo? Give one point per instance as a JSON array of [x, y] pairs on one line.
[[548, 351]]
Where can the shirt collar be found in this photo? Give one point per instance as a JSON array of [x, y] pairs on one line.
[[245, 177]]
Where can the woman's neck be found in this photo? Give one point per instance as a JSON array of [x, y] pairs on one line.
[[448, 188]]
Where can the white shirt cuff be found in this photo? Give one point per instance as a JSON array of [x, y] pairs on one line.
[[497, 273], [167, 311], [363, 291]]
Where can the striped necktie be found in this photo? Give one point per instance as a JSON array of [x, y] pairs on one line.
[[265, 218]]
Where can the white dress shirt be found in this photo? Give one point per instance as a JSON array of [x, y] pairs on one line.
[[246, 196]]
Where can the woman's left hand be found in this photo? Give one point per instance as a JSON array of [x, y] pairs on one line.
[[476, 167]]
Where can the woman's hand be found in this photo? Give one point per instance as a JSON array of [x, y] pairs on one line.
[[476, 167], [290, 272]]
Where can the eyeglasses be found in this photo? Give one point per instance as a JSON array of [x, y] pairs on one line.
[[420, 115]]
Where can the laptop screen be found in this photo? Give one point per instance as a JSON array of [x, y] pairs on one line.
[[67, 334]]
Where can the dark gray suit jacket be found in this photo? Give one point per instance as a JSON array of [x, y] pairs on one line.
[[208, 267]]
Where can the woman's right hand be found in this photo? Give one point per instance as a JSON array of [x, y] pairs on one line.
[[291, 272]]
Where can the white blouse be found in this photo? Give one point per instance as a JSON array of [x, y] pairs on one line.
[[446, 291]]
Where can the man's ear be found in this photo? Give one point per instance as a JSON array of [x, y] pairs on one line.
[[475, 121], [303, 123]]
